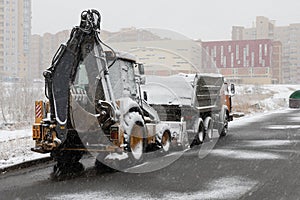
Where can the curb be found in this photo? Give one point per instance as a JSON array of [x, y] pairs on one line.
[[25, 164]]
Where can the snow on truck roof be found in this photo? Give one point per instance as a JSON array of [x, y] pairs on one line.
[[121, 54], [194, 77], [200, 75], [176, 89]]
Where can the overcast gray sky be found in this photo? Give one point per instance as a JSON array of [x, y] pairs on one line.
[[196, 19]]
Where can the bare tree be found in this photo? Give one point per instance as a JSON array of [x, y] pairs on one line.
[[17, 101]]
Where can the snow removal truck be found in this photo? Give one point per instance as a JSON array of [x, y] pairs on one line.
[[191, 104], [94, 102]]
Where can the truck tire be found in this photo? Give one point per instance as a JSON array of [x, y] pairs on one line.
[[208, 125], [166, 141], [100, 164], [66, 156], [201, 133], [67, 163], [223, 128], [135, 135]]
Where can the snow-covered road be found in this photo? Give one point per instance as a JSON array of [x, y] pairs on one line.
[[258, 159]]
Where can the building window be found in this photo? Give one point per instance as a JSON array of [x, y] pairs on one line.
[[229, 48], [182, 49], [252, 59], [266, 49], [222, 55], [260, 53], [215, 52], [244, 57], [224, 62], [237, 52], [182, 62], [247, 49]]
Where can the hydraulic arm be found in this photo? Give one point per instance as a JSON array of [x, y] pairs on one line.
[[59, 78]]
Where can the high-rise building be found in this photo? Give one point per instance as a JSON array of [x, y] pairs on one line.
[[263, 29], [36, 66], [15, 33], [43, 49], [289, 36]]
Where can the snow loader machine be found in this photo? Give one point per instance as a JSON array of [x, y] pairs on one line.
[[94, 103]]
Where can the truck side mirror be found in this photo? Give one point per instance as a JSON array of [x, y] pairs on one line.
[[145, 95], [141, 69], [143, 80], [232, 88]]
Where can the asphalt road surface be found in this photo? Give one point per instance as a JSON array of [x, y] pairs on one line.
[[259, 159]]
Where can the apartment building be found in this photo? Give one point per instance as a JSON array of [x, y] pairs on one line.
[[43, 49], [36, 58], [289, 36], [245, 61], [15, 32]]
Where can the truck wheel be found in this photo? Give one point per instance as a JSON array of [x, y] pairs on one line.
[[68, 164], [135, 130], [201, 133], [166, 141], [199, 137], [67, 156], [67, 170], [100, 166], [223, 129], [136, 142], [208, 125]]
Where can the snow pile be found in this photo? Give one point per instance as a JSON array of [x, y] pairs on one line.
[[15, 148], [262, 98]]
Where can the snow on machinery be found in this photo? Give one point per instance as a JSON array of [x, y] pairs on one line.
[[94, 103], [191, 104]]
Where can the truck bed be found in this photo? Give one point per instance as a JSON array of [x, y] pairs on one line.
[[200, 91]]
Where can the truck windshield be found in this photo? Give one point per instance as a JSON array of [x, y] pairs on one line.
[[83, 90], [123, 79]]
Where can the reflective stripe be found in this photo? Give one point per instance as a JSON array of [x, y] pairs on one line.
[[38, 111]]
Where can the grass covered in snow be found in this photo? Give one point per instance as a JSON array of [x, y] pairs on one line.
[[15, 147], [262, 98]]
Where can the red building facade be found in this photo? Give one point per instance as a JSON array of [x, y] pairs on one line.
[[247, 60]]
